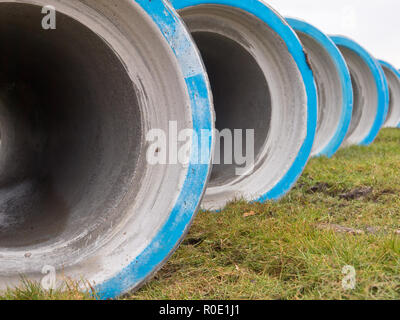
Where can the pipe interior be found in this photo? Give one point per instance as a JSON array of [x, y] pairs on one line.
[[393, 117], [71, 130], [329, 89], [365, 93], [241, 98]]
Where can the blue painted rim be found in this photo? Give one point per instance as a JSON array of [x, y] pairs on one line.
[[187, 204], [282, 28], [381, 85], [345, 80], [395, 71]]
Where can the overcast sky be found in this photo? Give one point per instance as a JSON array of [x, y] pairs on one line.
[[375, 24]]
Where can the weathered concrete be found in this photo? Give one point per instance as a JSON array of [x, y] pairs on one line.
[[393, 79], [76, 191], [260, 80], [371, 94], [335, 93]]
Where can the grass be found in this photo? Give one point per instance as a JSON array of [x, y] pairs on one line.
[[343, 211], [33, 291]]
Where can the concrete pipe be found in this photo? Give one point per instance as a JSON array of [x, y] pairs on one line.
[[260, 80], [335, 92], [393, 79], [76, 190], [370, 89]]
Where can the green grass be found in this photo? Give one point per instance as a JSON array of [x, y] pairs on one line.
[[296, 248], [29, 290]]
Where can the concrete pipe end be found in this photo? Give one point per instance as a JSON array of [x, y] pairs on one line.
[[335, 92], [76, 190], [370, 90], [260, 80], [393, 79]]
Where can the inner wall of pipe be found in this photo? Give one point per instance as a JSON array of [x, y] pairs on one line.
[[393, 117], [241, 97], [365, 97], [71, 129], [329, 89]]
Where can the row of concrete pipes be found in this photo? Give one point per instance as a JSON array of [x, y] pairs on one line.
[[79, 197]]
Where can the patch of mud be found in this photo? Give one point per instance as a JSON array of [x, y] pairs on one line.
[[357, 193]]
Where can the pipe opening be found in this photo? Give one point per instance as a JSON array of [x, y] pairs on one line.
[[393, 116], [365, 94], [71, 130], [241, 97], [329, 89]]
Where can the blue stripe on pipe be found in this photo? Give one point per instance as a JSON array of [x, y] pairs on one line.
[[399, 123], [381, 85], [170, 235], [346, 109], [282, 28]]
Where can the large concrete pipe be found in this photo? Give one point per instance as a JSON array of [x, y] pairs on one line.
[[393, 79], [335, 92], [370, 89], [260, 80], [76, 190]]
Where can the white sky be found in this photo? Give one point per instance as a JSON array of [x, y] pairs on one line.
[[375, 24]]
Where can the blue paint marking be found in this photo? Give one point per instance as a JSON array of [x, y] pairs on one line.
[[395, 71], [399, 123], [347, 89], [282, 28], [194, 186], [381, 85]]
